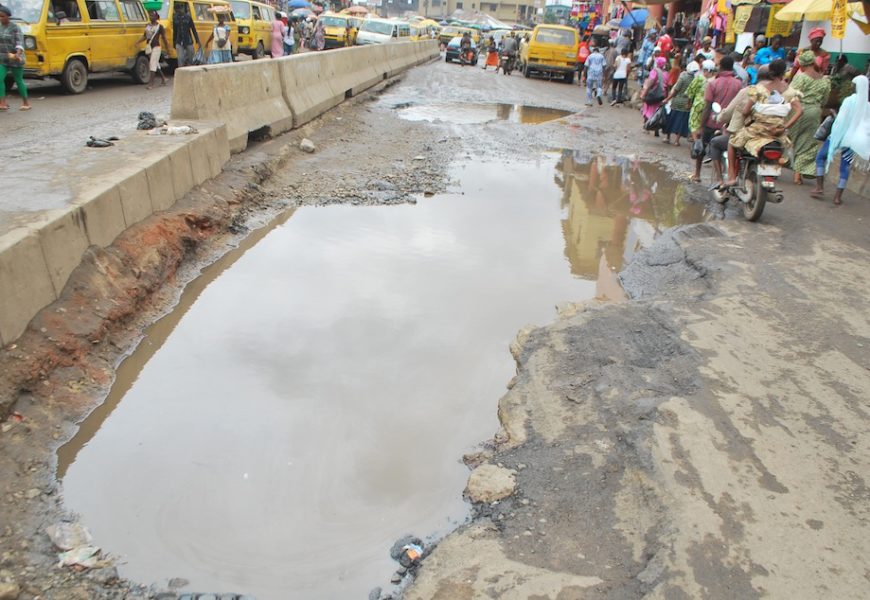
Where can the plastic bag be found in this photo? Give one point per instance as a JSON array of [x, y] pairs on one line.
[[697, 148], [657, 120], [198, 57]]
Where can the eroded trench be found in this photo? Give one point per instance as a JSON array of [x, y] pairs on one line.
[[308, 400]]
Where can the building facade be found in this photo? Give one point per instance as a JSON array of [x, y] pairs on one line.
[[517, 11]]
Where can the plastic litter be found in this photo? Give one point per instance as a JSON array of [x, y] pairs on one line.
[[67, 536], [83, 556], [94, 142], [173, 130]]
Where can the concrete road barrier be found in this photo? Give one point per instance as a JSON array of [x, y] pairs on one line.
[[246, 96], [36, 260], [228, 102]]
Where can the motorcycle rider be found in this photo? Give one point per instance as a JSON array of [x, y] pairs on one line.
[[465, 49], [509, 48]]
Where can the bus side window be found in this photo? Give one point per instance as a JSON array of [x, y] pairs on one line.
[[255, 11], [70, 8], [133, 11], [202, 13]]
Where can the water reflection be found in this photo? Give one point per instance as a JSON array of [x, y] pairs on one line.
[[616, 205], [476, 114]]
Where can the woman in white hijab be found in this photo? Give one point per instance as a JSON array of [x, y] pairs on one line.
[[849, 133]]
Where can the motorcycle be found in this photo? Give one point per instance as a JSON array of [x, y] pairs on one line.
[[466, 57], [756, 181], [507, 63]]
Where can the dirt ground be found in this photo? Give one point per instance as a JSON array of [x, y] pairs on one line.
[[705, 439]]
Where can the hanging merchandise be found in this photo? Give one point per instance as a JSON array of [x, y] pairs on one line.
[[774, 25], [741, 17], [730, 37], [838, 19]]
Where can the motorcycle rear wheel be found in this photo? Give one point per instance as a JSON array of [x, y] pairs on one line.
[[754, 206]]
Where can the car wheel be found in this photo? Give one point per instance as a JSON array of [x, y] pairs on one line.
[[141, 69], [526, 72], [447, 58], [260, 52], [74, 78]]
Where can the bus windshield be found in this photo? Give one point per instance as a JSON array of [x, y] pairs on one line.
[[28, 11], [378, 27], [242, 10]]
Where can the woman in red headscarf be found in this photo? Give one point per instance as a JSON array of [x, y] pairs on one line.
[[823, 59]]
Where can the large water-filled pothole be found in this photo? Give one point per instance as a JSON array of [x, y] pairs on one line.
[[475, 114], [307, 404]]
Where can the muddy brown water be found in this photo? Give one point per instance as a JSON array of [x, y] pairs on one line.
[[308, 401], [475, 114]]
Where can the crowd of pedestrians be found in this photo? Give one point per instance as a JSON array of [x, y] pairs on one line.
[[724, 102]]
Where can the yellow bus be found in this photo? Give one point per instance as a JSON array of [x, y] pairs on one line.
[[203, 20], [70, 39], [254, 20]]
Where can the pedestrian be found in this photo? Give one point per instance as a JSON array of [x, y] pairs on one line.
[[814, 89], [695, 93], [154, 34], [610, 56], [822, 58], [720, 90], [491, 55], [289, 36], [653, 92], [645, 54], [594, 68], [666, 42], [11, 58], [184, 34], [620, 77], [850, 134], [278, 35], [222, 49], [677, 123], [766, 54], [319, 36], [624, 42], [706, 48]]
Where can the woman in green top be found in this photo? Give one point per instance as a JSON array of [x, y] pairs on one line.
[[678, 119], [815, 89], [11, 58], [695, 93]]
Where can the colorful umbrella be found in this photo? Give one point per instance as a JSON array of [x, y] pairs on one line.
[[636, 18], [815, 10], [298, 4]]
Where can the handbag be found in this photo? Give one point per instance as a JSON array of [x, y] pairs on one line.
[[824, 129], [220, 37], [657, 120], [697, 148], [657, 94], [150, 41]]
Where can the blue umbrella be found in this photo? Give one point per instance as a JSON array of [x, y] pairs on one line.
[[636, 18], [298, 4]]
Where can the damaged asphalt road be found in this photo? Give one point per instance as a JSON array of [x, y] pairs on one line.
[[706, 439]]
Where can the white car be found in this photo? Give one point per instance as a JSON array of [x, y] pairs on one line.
[[381, 31]]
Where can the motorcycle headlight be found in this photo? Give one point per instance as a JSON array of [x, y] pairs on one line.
[[29, 42], [244, 30]]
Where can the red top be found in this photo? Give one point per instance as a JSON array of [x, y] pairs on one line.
[[666, 44], [721, 90]]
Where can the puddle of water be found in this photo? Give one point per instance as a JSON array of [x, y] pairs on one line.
[[475, 114], [309, 404]]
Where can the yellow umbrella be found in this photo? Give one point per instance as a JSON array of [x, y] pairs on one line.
[[815, 10]]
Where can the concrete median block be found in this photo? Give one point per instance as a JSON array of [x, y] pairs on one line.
[[245, 96], [200, 168], [103, 215], [135, 199], [306, 87], [63, 238], [25, 284], [159, 175], [182, 174], [218, 149]]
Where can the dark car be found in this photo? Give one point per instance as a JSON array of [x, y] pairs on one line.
[[453, 50]]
